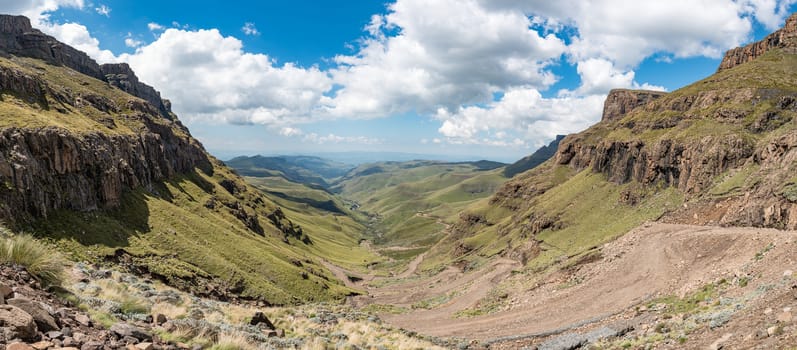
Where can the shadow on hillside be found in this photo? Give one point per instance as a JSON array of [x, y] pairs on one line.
[[114, 228], [328, 205]]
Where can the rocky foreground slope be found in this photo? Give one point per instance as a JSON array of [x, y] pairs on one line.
[[96, 161]]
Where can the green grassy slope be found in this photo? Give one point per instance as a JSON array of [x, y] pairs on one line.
[[190, 230], [555, 213], [413, 199], [340, 228]]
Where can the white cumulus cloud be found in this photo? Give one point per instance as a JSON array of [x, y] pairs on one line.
[[209, 77], [132, 42], [446, 53], [478, 68], [525, 113]]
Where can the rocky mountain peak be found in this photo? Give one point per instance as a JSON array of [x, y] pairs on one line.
[[19, 38], [784, 38], [14, 24], [122, 76], [621, 101]]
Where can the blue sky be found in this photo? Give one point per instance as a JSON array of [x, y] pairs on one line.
[[480, 79]]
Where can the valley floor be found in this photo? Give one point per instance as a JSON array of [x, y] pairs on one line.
[[663, 284]]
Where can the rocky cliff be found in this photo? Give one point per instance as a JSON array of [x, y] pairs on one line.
[[48, 168], [721, 151], [784, 38], [17, 37], [122, 76], [95, 160], [621, 101]]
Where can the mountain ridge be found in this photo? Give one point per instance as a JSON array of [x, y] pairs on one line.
[[94, 161], [715, 152]]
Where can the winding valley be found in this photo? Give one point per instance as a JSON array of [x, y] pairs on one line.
[[668, 224]]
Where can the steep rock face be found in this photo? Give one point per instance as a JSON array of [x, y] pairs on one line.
[[50, 169], [17, 37], [784, 38], [122, 76], [621, 101], [690, 167], [22, 84]]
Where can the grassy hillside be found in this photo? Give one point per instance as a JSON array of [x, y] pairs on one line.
[[413, 200], [324, 214], [25, 110], [732, 132], [205, 230]]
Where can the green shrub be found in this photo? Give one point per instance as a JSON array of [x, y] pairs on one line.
[[40, 261], [131, 305]]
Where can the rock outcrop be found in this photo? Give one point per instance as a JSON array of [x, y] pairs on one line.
[[122, 76], [37, 319], [690, 167], [17, 37], [621, 101], [784, 38], [695, 140], [49, 169]]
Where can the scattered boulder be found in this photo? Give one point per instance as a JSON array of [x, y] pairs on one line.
[[159, 319], [145, 346], [260, 319], [130, 340], [43, 320], [42, 345], [83, 320], [126, 330], [17, 323], [18, 346], [6, 291], [93, 345], [54, 335]]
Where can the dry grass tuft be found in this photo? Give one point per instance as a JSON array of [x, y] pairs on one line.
[[40, 260], [233, 341]]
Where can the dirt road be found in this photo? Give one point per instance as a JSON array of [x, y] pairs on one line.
[[658, 259]]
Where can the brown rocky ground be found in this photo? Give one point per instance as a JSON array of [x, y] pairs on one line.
[[105, 309], [31, 318], [660, 286]]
